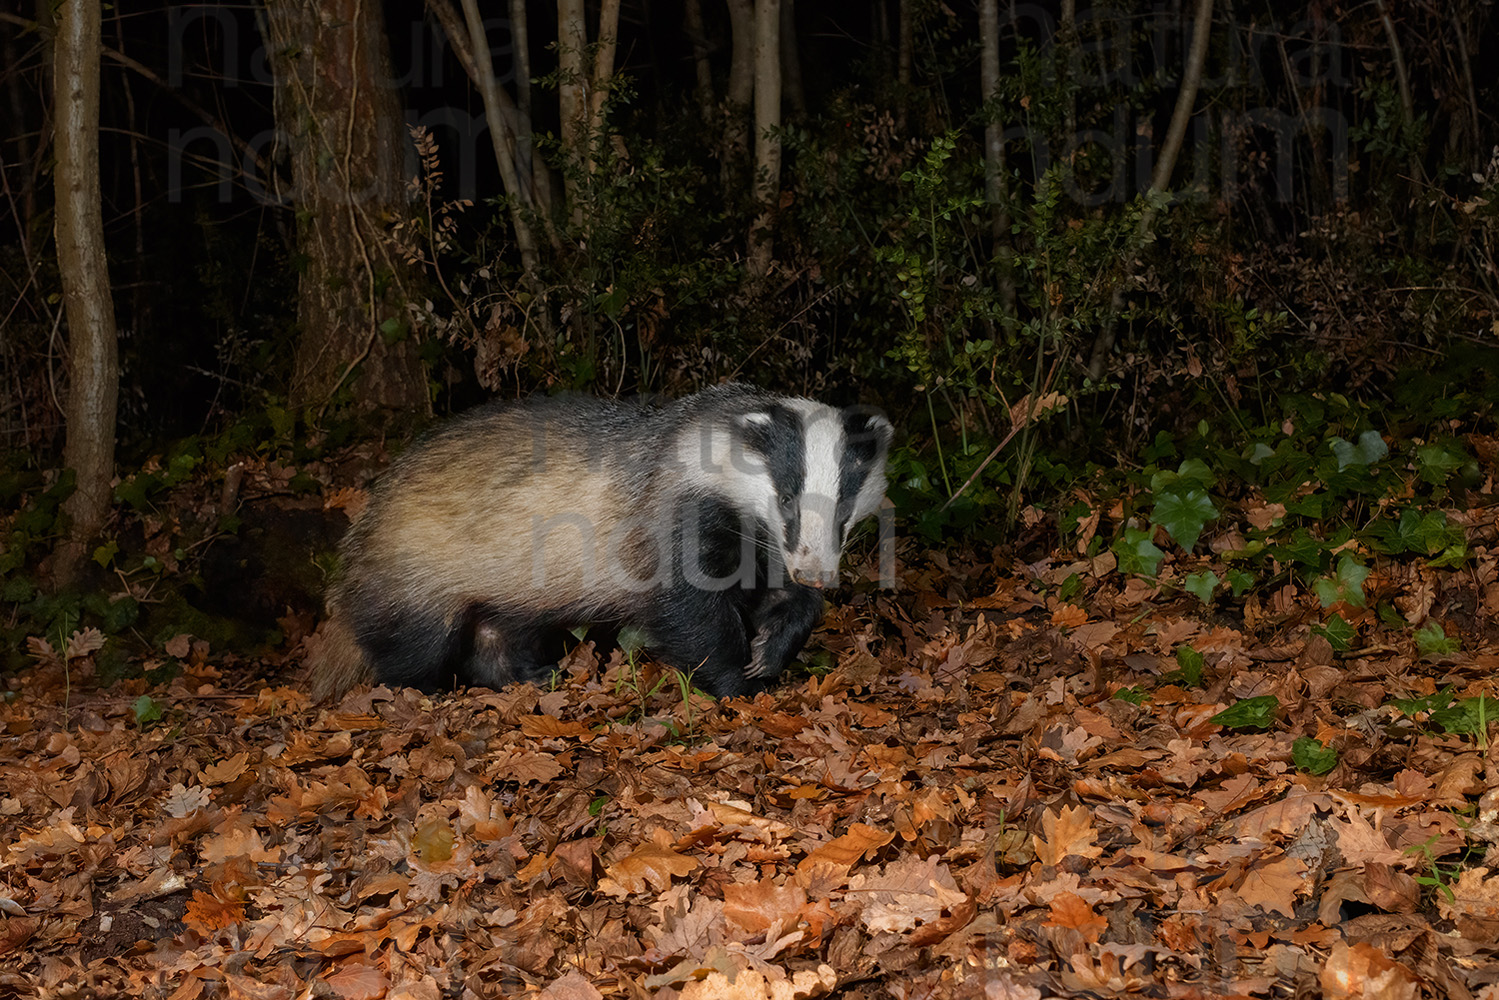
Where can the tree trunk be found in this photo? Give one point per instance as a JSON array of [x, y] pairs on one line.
[[903, 66], [741, 92], [692, 15], [499, 112], [527, 163], [603, 74], [342, 119], [767, 141], [1065, 52], [94, 375], [791, 60], [1186, 97], [525, 175], [572, 40], [996, 179]]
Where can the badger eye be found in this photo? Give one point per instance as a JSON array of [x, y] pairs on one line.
[[787, 499]]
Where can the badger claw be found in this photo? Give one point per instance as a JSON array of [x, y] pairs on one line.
[[758, 668]]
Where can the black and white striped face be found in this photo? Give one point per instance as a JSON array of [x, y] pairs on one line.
[[812, 472]]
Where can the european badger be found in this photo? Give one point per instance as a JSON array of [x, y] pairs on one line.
[[711, 524]]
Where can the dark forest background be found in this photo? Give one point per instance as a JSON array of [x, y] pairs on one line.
[[973, 216]]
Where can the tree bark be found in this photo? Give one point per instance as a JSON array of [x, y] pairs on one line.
[[511, 135], [1186, 97], [603, 74], [498, 112], [1065, 52], [791, 60], [767, 139], [1403, 81], [996, 179], [903, 65], [741, 91], [527, 163], [572, 41], [692, 15], [340, 115], [93, 352]]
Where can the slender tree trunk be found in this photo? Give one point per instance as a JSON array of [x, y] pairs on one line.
[[603, 74], [496, 105], [741, 91], [767, 139], [1403, 81], [1186, 97], [572, 43], [996, 179], [528, 164], [903, 66], [791, 60], [93, 375], [1475, 144], [1066, 52], [341, 118], [698, 34], [510, 135]]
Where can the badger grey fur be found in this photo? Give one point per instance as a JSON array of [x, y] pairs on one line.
[[712, 524]]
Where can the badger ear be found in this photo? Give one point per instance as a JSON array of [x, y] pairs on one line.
[[865, 426], [754, 429]]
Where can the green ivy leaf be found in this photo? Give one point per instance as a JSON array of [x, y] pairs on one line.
[[1453, 555], [1466, 716], [1259, 452], [1134, 695], [1370, 449], [1240, 580], [1346, 585], [1189, 665], [1183, 515], [1251, 713], [1336, 631], [1432, 702], [1311, 756], [1432, 641], [105, 554], [393, 329], [146, 710], [1137, 553], [1197, 470], [1435, 463], [1303, 548], [1192, 472], [1201, 585], [1426, 533]]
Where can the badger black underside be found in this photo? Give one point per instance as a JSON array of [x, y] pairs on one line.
[[704, 622]]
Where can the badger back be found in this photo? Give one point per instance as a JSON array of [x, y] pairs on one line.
[[512, 505]]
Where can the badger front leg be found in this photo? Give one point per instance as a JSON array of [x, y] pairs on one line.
[[782, 623], [702, 633]]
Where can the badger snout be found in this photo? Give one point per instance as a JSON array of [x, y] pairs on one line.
[[820, 579], [810, 567], [812, 559]]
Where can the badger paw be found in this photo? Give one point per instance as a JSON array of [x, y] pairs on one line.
[[759, 667]]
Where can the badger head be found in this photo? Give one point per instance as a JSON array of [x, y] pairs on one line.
[[806, 471]]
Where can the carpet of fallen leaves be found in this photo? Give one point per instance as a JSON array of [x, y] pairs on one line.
[[958, 808]]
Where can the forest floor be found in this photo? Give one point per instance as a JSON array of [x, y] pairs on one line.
[[990, 792]]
